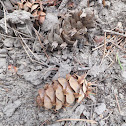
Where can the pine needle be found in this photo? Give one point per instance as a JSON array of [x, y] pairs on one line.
[[85, 120]]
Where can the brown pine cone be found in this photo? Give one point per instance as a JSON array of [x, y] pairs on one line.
[[63, 92]]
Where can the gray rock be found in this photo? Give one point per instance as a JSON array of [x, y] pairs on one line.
[[100, 109], [8, 42], [10, 108], [63, 70]]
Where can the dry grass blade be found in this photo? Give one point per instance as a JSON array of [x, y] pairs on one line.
[[84, 120]]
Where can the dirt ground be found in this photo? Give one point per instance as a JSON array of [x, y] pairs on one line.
[[20, 78]]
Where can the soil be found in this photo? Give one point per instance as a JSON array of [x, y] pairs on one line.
[[20, 78]]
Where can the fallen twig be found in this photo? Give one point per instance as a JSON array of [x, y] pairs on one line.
[[113, 32], [84, 120], [118, 46], [28, 47], [108, 116], [117, 103], [30, 56], [102, 44], [41, 42]]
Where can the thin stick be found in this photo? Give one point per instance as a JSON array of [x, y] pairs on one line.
[[117, 103], [26, 51], [112, 62], [102, 44], [41, 42], [84, 120], [97, 47], [30, 56], [116, 33], [108, 116], [118, 46], [28, 47], [12, 36]]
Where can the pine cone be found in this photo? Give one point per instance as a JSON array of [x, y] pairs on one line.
[[63, 92], [73, 26]]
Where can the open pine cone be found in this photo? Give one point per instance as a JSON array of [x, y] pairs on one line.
[[73, 26], [63, 92]]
